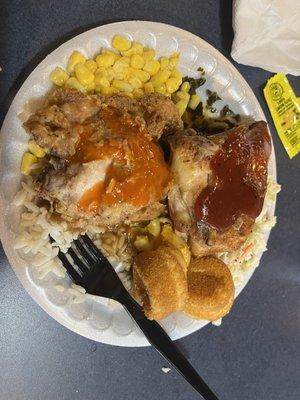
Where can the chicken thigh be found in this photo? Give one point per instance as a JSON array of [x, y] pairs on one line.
[[107, 167], [219, 185]]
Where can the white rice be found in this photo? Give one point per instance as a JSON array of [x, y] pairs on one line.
[[35, 227], [33, 243]]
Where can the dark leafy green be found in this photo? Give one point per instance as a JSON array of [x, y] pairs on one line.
[[195, 83], [212, 97], [226, 111], [198, 110], [201, 70]]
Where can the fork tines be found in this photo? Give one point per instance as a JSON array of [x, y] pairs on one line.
[[81, 257]]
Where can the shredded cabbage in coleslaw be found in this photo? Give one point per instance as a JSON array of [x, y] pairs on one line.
[[247, 257]]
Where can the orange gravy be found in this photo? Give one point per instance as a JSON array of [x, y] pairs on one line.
[[138, 172]]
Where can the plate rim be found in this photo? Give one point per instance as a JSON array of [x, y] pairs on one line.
[[6, 234]]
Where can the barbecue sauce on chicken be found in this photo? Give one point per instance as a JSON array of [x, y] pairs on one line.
[[239, 178]]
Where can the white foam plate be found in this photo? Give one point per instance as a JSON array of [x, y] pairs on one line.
[[94, 318]]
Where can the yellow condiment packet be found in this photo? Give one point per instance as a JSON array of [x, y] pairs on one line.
[[285, 110]]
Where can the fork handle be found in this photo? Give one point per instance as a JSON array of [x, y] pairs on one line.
[[166, 347]]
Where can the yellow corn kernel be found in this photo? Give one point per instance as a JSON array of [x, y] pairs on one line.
[[160, 78], [185, 87], [136, 48], [148, 87], [101, 71], [99, 89], [148, 54], [90, 87], [154, 227], [182, 96], [137, 93], [83, 74], [125, 60], [164, 62], [105, 60], [119, 76], [128, 53], [135, 82], [169, 236], [109, 91], [75, 58], [120, 69], [151, 66], [161, 89], [35, 149], [74, 84], [142, 75], [164, 220], [173, 62], [172, 85], [194, 101], [128, 94], [142, 243], [119, 66], [101, 80], [27, 161], [59, 76], [137, 61], [181, 106], [177, 75], [91, 65], [122, 86], [178, 80], [113, 53], [121, 43], [110, 74], [112, 90], [128, 74]]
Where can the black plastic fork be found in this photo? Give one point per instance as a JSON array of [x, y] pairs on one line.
[[91, 270]]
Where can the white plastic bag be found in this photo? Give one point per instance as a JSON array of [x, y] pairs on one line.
[[267, 34]]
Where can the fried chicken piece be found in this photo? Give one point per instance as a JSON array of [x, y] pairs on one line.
[[190, 169], [159, 281], [192, 172], [159, 275], [64, 189], [98, 140], [62, 96], [160, 114], [57, 126], [68, 114], [210, 289], [108, 217]]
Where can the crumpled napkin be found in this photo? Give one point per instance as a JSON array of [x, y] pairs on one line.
[[267, 34]]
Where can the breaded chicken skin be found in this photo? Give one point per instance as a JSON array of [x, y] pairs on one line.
[[210, 289], [159, 281]]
